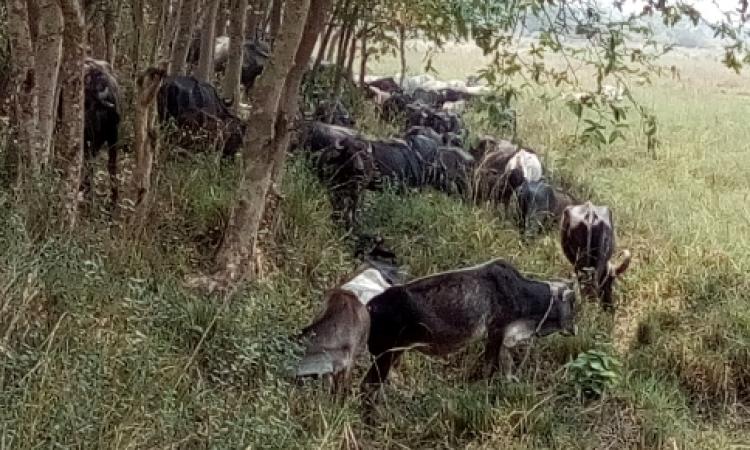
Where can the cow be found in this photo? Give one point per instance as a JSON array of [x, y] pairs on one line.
[[398, 165], [440, 314], [396, 106], [387, 85], [502, 168], [101, 120], [348, 169], [315, 136], [588, 240], [334, 113], [339, 335], [335, 338], [453, 173], [196, 106], [540, 205]]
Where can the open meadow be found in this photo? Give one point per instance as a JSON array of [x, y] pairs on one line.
[[103, 346]]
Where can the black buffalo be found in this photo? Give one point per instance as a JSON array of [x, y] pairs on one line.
[[196, 106], [588, 241], [540, 205], [334, 113], [442, 313], [101, 119]]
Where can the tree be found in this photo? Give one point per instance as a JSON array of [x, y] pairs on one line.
[[233, 72], [70, 135], [48, 52], [183, 38], [208, 37], [237, 248], [25, 111], [145, 139]]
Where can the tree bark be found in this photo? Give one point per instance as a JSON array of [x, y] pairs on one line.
[[402, 52], [233, 72], [363, 56], [255, 18], [48, 51], [183, 38], [290, 99], [352, 47], [111, 23], [145, 140], [139, 25], [25, 98], [324, 44], [208, 37], [237, 247], [275, 20], [70, 137], [165, 33], [335, 42], [222, 17]]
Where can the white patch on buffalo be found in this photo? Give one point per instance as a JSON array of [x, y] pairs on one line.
[[367, 285], [583, 213], [528, 162], [456, 107]]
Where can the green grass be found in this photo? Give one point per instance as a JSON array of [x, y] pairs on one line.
[[103, 346]]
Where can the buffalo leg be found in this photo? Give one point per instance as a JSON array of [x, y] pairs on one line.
[[491, 356], [112, 169]]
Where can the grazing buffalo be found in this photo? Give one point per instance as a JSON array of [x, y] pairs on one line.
[[101, 119], [396, 106], [316, 136], [197, 107], [454, 168], [347, 168], [335, 339], [588, 241], [397, 165], [388, 85], [443, 313], [540, 205], [333, 113], [339, 335]]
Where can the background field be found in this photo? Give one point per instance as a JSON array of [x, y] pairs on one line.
[[101, 345]]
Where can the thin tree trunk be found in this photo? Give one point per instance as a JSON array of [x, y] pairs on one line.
[[47, 56], [335, 42], [183, 38], [222, 17], [25, 99], [233, 72], [70, 138], [275, 24], [324, 44], [139, 25], [255, 17], [237, 247], [290, 99], [206, 61], [111, 22], [402, 53], [165, 32], [363, 56], [352, 48], [146, 140]]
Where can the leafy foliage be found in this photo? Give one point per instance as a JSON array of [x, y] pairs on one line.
[[594, 372]]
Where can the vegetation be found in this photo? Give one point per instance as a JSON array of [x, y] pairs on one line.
[[104, 344]]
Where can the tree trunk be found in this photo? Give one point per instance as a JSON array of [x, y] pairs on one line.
[[363, 56], [165, 32], [139, 25], [255, 18], [402, 53], [145, 140], [335, 42], [70, 137], [290, 99], [208, 37], [111, 22], [324, 44], [233, 72], [25, 99], [183, 38], [352, 48], [275, 20], [222, 17], [237, 247], [47, 56]]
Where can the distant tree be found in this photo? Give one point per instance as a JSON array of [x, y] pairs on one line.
[[233, 71], [184, 37], [205, 68]]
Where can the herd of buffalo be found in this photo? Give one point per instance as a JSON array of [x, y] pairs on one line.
[[377, 308]]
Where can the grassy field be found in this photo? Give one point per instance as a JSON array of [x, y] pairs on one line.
[[102, 345]]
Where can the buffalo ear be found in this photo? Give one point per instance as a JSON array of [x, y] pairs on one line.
[[618, 270]]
